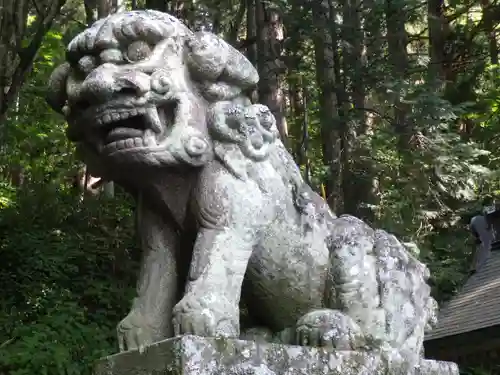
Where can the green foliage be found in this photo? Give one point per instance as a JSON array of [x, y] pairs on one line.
[[67, 273], [61, 341]]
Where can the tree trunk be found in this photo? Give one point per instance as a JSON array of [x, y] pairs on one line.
[[297, 94], [437, 24], [104, 8], [270, 37], [397, 40], [358, 180], [331, 129], [90, 11], [251, 32], [234, 27], [489, 28], [16, 55]]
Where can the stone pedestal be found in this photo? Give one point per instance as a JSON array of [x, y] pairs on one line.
[[192, 355]]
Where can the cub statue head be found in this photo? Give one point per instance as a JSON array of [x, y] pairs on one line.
[[138, 88]]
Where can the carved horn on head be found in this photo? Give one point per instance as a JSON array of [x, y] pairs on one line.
[[56, 95]]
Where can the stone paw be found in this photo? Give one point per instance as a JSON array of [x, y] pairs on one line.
[[133, 333], [196, 316], [329, 328]]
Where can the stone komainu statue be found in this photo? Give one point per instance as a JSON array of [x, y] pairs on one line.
[[223, 212]]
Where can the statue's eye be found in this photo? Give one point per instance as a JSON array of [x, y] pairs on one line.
[[138, 51]]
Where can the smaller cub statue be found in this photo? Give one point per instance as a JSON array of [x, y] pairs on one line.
[[223, 213]]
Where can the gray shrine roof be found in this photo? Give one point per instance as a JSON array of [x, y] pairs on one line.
[[476, 306]]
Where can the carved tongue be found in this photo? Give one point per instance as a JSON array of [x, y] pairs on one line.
[[153, 119]]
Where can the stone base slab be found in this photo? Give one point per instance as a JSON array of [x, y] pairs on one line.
[[193, 355]]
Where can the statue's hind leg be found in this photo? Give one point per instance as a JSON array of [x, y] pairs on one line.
[[352, 315], [376, 290]]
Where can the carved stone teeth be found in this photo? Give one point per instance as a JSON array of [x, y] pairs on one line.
[[118, 145], [138, 142], [125, 143], [123, 115], [129, 143], [153, 119], [119, 115]]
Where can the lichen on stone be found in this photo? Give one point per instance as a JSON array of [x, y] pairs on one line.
[[193, 355]]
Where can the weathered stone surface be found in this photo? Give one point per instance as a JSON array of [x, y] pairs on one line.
[[193, 355], [223, 213]]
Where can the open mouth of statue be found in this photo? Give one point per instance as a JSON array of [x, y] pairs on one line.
[[127, 129]]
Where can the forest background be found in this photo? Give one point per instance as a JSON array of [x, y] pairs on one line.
[[390, 107]]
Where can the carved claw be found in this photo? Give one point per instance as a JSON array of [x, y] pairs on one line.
[[198, 317], [329, 328], [133, 333]]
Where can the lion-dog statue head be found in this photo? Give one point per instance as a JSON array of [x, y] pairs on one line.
[[137, 91]]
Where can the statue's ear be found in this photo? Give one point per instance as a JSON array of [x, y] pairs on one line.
[[231, 157]]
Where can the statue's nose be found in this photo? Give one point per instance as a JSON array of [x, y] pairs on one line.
[[108, 80]]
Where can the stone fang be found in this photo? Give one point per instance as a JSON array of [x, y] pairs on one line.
[[153, 119]]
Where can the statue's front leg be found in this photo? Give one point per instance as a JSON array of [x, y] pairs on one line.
[[150, 318], [210, 304]]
